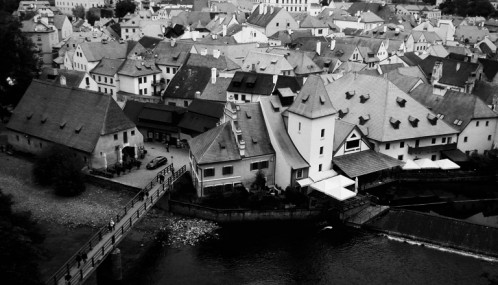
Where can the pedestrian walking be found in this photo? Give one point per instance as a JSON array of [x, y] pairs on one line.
[[84, 257], [142, 195], [167, 147], [147, 194], [111, 224], [78, 259], [68, 279], [161, 178]]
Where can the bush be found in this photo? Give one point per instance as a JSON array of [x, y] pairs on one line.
[[58, 166]]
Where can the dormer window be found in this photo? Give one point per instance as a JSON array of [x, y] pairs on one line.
[[432, 119], [62, 125], [394, 122], [254, 140], [44, 119], [343, 112], [305, 98], [222, 145], [401, 102], [458, 122], [78, 129], [29, 116], [364, 98], [364, 119], [248, 115], [322, 99], [413, 121], [350, 94]]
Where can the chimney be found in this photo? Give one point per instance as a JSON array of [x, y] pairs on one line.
[[194, 36], [396, 31], [437, 72], [204, 51], [265, 10], [385, 29], [213, 75], [63, 80], [216, 53], [332, 44], [275, 78], [224, 30], [253, 67], [331, 13], [318, 47], [458, 66], [172, 43], [260, 8], [272, 9]]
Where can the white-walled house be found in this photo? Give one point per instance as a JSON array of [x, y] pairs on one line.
[[395, 123], [246, 34], [249, 87], [139, 80], [106, 76], [467, 113], [88, 54], [269, 20]]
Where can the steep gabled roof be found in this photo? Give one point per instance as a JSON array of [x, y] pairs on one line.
[[455, 72], [215, 145], [95, 51], [187, 81], [454, 106], [489, 67], [72, 117], [108, 67], [312, 101], [375, 104], [135, 68], [263, 19]]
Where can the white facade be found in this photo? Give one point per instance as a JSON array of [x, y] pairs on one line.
[[399, 149], [80, 62], [67, 6], [241, 98], [250, 35], [314, 139], [292, 5], [478, 136], [107, 84], [141, 85], [353, 143], [168, 72]]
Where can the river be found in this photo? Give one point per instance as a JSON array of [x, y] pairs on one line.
[[277, 254]]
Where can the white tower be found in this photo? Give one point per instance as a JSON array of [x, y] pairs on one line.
[[311, 125]]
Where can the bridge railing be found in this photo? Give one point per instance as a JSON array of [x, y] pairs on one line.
[[149, 198]]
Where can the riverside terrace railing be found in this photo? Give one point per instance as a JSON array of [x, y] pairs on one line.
[[104, 241]]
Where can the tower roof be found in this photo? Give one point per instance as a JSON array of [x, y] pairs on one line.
[[313, 102]]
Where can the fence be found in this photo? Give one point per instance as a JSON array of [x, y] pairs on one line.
[[95, 256]]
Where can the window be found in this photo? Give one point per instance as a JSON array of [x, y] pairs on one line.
[[321, 150], [319, 167], [125, 137], [243, 97], [115, 137], [17, 137], [277, 24], [322, 134], [110, 80], [100, 79], [140, 80], [99, 89], [299, 173], [388, 145], [353, 144], [449, 139], [105, 90], [400, 157], [433, 157], [132, 132], [145, 79], [401, 144], [236, 96], [29, 141], [477, 123], [145, 91], [288, 25], [259, 165], [111, 91], [443, 140], [299, 126], [489, 137], [139, 91], [105, 79], [87, 81], [487, 123], [227, 170], [167, 69], [208, 172]]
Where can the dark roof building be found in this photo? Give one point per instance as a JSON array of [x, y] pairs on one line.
[[251, 83]]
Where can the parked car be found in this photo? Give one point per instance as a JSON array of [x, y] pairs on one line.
[[156, 162]]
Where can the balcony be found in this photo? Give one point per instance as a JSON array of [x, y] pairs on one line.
[[431, 148]]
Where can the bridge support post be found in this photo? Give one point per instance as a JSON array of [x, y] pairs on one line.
[[116, 269]]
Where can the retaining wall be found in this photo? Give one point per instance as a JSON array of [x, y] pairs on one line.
[[442, 231], [236, 215], [109, 184]]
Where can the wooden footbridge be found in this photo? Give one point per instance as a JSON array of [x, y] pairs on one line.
[[106, 239]]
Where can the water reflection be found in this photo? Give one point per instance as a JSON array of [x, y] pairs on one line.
[[273, 254]]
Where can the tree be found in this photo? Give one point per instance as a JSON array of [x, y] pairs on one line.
[[259, 181], [467, 7], [92, 15], [20, 246], [9, 6], [124, 7], [20, 63], [79, 11], [58, 166]]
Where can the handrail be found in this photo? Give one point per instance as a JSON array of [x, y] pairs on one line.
[[94, 260]]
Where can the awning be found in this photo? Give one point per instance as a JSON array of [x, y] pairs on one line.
[[334, 187], [410, 165], [447, 164], [426, 163], [305, 182], [316, 177], [365, 162], [455, 155]]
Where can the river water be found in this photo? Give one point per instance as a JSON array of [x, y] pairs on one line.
[[276, 254]]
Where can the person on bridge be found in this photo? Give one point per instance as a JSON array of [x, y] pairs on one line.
[[111, 225], [78, 259], [84, 257], [68, 278], [161, 178]]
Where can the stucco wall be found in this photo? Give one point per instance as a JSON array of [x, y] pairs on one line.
[[477, 136]]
